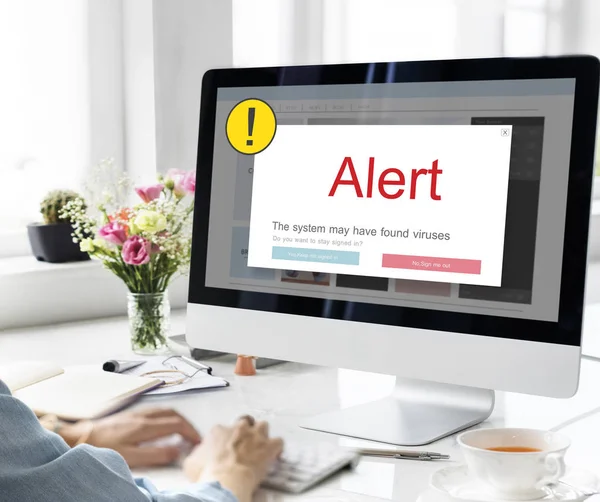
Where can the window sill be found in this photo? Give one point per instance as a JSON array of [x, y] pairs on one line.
[[27, 264], [34, 293], [14, 243]]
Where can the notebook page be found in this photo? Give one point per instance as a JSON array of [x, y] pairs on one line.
[[83, 392], [25, 373]]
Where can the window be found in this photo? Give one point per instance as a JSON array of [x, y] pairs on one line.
[[43, 98], [61, 100]]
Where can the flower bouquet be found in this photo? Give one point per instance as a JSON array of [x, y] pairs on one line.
[[145, 244]]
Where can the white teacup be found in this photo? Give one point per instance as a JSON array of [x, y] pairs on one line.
[[512, 475]]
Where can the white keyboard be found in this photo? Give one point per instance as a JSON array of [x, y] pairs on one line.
[[302, 466]]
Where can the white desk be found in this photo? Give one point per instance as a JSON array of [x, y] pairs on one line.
[[285, 393]]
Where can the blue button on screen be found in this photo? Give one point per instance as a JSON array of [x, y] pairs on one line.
[[316, 255]]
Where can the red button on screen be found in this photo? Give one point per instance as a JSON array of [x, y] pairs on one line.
[[430, 263]]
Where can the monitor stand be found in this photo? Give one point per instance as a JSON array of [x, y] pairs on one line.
[[417, 413]]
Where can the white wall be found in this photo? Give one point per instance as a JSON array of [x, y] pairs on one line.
[[589, 33], [138, 89], [480, 28], [107, 112]]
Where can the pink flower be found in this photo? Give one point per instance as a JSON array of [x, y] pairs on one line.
[[149, 193], [114, 232], [175, 175], [180, 182], [188, 183], [136, 251]]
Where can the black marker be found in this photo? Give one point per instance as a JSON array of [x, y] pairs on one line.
[[114, 366]]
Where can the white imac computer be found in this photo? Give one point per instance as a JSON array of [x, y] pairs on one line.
[[427, 220]]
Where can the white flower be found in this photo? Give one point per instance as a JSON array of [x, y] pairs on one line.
[[87, 245]]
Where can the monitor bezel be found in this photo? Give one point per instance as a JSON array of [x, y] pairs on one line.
[[567, 329]]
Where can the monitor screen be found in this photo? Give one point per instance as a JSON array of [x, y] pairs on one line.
[[447, 196]]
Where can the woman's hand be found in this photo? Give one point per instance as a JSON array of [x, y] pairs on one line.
[[238, 457], [126, 432]]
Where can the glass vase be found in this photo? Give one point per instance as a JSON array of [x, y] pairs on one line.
[[149, 322]]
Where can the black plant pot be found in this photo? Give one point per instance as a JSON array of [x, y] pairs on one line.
[[54, 243]]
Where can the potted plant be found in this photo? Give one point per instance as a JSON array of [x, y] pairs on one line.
[[52, 240]]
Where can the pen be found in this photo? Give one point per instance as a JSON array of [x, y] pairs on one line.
[[195, 364], [116, 366], [404, 454]]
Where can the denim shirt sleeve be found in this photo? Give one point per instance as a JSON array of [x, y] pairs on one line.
[[38, 466]]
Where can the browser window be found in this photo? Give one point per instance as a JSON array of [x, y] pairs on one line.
[[424, 195]]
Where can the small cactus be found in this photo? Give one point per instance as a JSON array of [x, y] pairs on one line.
[[54, 202]]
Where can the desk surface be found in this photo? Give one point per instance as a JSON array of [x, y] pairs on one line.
[[284, 394]]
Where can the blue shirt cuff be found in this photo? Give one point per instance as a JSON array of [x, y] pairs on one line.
[[204, 492], [213, 491]]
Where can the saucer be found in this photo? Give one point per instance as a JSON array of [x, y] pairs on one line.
[[457, 483]]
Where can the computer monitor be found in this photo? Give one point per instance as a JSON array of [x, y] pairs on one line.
[[427, 220]]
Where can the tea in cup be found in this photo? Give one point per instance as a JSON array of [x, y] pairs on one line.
[[516, 464]]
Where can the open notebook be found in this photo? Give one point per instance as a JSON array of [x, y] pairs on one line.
[[76, 393]]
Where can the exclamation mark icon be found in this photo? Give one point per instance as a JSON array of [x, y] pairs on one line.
[[251, 114], [251, 126]]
